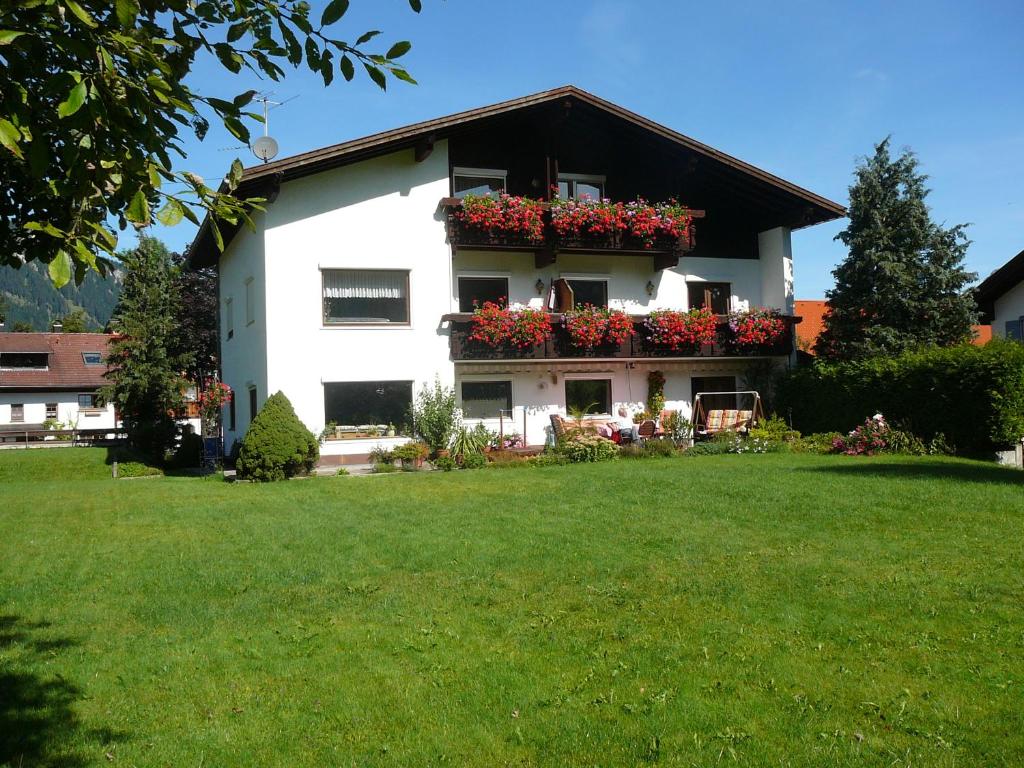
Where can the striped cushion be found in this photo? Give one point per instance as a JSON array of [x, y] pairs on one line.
[[715, 420], [743, 418]]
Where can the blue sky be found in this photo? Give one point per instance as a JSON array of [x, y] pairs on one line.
[[800, 89]]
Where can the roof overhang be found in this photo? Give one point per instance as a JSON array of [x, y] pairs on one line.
[[265, 180], [995, 285]]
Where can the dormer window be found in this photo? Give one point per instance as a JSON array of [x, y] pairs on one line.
[[580, 186], [92, 358], [24, 361], [482, 182]]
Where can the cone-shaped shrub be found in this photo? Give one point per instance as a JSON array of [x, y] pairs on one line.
[[277, 445]]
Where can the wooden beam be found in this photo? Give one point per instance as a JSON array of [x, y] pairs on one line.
[[544, 257], [424, 147]]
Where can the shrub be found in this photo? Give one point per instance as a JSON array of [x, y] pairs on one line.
[[973, 396], [818, 443], [547, 459], [775, 430], [411, 454], [587, 447], [445, 463], [474, 461], [436, 416], [190, 451], [648, 449], [384, 469], [382, 455], [277, 445], [677, 427], [710, 448]]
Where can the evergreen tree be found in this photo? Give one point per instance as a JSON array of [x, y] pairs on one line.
[[902, 285], [76, 321], [145, 366], [197, 320]]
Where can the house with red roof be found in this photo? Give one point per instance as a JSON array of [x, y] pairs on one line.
[[53, 377]]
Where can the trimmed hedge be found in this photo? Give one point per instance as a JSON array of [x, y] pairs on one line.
[[972, 395], [277, 445]]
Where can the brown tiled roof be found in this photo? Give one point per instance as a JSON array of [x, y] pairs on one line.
[[813, 312], [66, 369]]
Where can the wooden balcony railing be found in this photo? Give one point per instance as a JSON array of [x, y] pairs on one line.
[[560, 347], [666, 251]]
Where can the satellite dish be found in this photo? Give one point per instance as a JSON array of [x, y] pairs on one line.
[[265, 148]]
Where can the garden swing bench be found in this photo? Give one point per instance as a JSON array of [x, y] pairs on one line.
[[709, 422]]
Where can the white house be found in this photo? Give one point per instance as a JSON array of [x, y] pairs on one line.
[[53, 377], [1000, 297], [356, 286]]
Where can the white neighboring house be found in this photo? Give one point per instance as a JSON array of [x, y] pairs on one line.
[[53, 376], [1000, 298], [356, 286]]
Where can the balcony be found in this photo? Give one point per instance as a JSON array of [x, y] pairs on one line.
[[560, 347], [547, 243]]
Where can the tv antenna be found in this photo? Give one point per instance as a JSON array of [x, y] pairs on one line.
[[265, 147]]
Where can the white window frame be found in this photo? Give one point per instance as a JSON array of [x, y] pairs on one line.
[[229, 317], [407, 325], [55, 410], [250, 302], [20, 420], [485, 377], [480, 173], [586, 178], [608, 376]]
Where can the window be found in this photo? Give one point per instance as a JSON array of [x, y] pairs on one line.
[[250, 303], [578, 186], [90, 400], [231, 414], [51, 410], [1013, 329], [716, 296], [593, 292], [229, 317], [24, 360], [714, 384], [17, 412], [477, 181], [588, 395], [252, 403], [486, 399], [474, 291], [354, 403], [366, 296], [92, 358]]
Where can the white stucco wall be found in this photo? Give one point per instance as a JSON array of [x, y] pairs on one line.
[[1008, 308], [244, 355], [775, 251], [68, 411], [383, 214]]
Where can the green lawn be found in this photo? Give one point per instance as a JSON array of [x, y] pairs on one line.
[[756, 610]]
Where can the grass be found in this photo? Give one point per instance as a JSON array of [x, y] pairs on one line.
[[760, 610]]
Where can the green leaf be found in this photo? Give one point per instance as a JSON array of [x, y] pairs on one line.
[[312, 54], [9, 137], [367, 36], [235, 173], [126, 11], [334, 11], [217, 238], [377, 76], [243, 98], [401, 74], [399, 49], [85, 256], [138, 209], [81, 13], [231, 60], [8, 36], [74, 101], [236, 31], [60, 269], [171, 213], [416, 5], [347, 70], [237, 128], [327, 67]]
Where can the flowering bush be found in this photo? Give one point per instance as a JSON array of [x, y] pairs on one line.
[[583, 447], [756, 326], [649, 223], [590, 326], [498, 326], [869, 438], [681, 330], [506, 214], [215, 395]]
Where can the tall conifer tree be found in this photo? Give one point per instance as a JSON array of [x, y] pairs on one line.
[[903, 283]]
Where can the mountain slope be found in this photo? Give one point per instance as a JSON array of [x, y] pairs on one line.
[[30, 297]]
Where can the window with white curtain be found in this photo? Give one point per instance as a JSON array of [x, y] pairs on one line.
[[366, 296]]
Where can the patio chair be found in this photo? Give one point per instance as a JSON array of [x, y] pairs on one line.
[[647, 429]]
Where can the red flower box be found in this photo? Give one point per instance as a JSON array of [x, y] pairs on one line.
[[677, 330]]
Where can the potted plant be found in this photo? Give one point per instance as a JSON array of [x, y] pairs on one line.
[[390, 431], [412, 454], [676, 331], [755, 328]]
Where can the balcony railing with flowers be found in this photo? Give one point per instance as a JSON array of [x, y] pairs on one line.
[[510, 222], [497, 333]]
